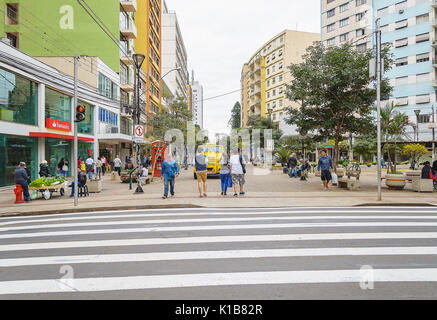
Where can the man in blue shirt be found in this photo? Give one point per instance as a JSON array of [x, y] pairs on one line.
[[325, 167], [169, 171]]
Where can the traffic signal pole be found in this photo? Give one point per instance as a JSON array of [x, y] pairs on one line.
[[75, 153], [378, 102]]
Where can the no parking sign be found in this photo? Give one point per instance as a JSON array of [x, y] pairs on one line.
[[139, 134]]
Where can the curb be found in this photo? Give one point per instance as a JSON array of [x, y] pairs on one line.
[[385, 204], [66, 211]]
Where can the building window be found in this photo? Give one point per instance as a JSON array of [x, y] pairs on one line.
[[330, 42], [344, 7], [362, 47], [401, 43], [107, 88], [422, 18], [422, 37], [13, 39], [384, 28], [382, 11], [423, 77], [424, 57], [87, 126], [360, 2], [360, 32], [424, 118], [424, 98], [344, 37], [18, 99], [344, 22], [401, 81], [360, 16], [401, 24], [330, 27], [58, 105], [402, 101], [401, 62], [330, 13], [401, 6], [329, 1], [11, 13]]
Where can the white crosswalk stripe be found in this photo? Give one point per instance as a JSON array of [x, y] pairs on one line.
[[191, 249]]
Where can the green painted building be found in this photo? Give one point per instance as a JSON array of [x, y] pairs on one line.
[[53, 28]]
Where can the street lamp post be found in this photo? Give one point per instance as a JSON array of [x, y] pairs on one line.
[[417, 112], [378, 102], [138, 60]]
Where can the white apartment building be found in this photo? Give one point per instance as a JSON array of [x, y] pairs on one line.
[[346, 21], [197, 103], [174, 54]]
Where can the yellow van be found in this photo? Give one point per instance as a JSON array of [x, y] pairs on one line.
[[214, 152]]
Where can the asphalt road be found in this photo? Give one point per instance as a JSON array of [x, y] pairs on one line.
[[343, 253]]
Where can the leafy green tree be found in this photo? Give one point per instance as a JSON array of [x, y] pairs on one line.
[[335, 93], [257, 122], [414, 151], [235, 121], [366, 146], [294, 143]]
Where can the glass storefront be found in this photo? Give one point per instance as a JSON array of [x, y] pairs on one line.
[[58, 106], [56, 149], [13, 150], [84, 149], [18, 99], [87, 126]]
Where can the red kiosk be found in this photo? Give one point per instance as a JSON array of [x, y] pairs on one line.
[[159, 150]]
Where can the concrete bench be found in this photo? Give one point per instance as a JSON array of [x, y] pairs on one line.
[[349, 184], [423, 185]]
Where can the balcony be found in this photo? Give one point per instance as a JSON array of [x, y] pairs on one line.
[[129, 5], [434, 4], [128, 29], [125, 54]]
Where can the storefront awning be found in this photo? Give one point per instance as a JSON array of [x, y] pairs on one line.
[[57, 136]]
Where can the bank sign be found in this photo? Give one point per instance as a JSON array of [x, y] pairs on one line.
[[58, 124]]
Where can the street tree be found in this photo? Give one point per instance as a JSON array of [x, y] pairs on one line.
[[257, 122], [235, 120], [414, 152], [366, 146], [335, 92]]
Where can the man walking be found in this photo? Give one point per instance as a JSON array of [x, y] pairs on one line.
[[169, 172], [237, 170], [22, 178], [292, 164], [117, 165], [201, 163], [325, 168], [89, 163]]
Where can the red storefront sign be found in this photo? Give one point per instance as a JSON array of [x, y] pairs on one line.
[[58, 124]]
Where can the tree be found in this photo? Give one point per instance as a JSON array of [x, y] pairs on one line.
[[294, 143], [414, 151], [394, 125], [333, 87], [366, 146], [235, 121], [257, 122]]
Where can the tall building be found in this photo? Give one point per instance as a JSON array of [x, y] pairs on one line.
[[174, 54], [409, 27], [264, 77], [346, 20], [197, 103]]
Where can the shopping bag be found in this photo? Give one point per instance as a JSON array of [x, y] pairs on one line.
[[334, 179]]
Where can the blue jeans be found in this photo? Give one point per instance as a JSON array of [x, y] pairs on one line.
[[226, 182], [72, 188], [169, 181], [25, 186], [293, 172]]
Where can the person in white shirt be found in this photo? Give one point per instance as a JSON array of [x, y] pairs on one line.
[[144, 172], [117, 165], [237, 170], [89, 163]]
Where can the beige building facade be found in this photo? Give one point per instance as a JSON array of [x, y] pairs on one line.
[[264, 77]]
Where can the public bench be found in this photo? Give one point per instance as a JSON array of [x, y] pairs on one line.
[[349, 184]]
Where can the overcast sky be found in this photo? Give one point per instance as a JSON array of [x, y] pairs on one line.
[[220, 36]]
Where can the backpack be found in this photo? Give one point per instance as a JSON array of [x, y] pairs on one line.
[[243, 166]]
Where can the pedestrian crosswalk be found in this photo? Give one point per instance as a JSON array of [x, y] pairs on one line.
[[221, 253]]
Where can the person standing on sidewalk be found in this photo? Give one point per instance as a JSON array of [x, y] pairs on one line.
[[225, 175], [117, 165], [89, 163], [44, 170], [201, 163], [325, 168], [99, 165], [169, 172], [292, 164], [21, 177], [103, 159], [237, 170]]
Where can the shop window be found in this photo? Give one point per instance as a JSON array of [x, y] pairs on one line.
[[18, 99], [58, 106], [56, 149]]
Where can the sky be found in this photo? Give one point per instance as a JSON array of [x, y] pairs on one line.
[[220, 36]]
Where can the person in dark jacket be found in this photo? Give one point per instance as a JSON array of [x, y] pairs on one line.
[[292, 164], [434, 167], [44, 170], [426, 170], [22, 178]]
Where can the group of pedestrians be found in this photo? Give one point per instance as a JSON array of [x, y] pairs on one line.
[[296, 169], [232, 173]]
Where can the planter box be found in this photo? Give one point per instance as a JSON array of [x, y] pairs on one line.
[[413, 175], [423, 185], [396, 181], [340, 172], [94, 186]]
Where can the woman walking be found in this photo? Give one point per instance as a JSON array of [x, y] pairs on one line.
[[99, 168], [63, 167], [225, 174]]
